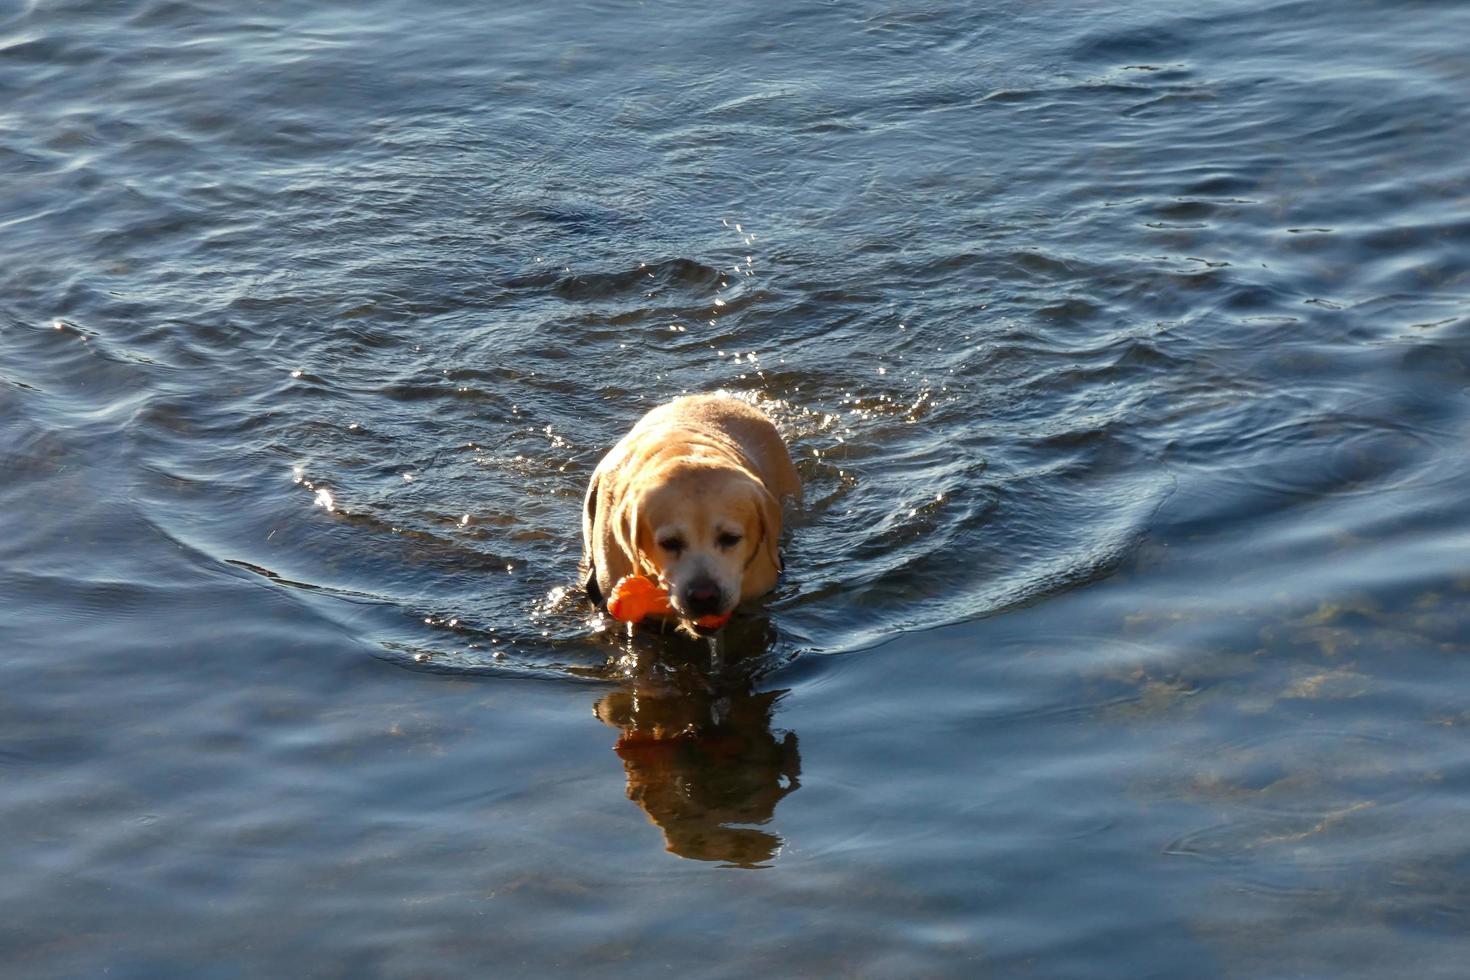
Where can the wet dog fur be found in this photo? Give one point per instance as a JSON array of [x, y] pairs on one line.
[[691, 497]]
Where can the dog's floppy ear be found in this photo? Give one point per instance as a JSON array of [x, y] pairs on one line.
[[768, 509], [589, 530], [589, 505], [625, 533]]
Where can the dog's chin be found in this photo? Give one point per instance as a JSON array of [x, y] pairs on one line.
[[689, 624], [698, 630]]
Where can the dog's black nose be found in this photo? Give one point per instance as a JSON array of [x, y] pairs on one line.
[[702, 597]]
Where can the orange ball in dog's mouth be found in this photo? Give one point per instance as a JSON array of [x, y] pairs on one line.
[[638, 596]]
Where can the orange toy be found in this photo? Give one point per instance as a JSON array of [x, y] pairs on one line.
[[636, 596], [712, 622]]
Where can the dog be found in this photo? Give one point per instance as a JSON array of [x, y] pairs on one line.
[[691, 497]]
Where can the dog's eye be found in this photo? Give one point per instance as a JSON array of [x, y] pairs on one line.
[[672, 545], [728, 539]]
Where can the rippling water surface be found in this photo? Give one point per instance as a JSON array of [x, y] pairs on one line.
[[1125, 354]]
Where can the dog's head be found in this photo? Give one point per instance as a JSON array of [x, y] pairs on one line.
[[703, 532]]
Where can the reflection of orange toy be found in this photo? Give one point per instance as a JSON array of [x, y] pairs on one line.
[[637, 596]]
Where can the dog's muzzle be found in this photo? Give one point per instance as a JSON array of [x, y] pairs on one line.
[[702, 597]]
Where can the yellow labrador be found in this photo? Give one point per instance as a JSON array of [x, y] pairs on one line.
[[691, 498]]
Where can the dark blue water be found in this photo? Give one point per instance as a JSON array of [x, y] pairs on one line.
[[1125, 353]]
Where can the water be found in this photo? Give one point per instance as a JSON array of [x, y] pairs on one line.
[[1125, 354]]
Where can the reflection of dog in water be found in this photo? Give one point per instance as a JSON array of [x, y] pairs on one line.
[[702, 760]]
